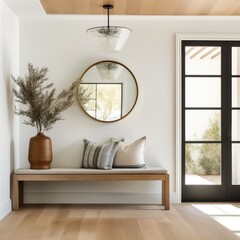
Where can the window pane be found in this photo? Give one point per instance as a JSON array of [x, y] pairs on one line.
[[203, 92], [235, 125], [92, 90], [235, 92], [203, 60], [203, 164], [109, 101], [236, 61], [203, 125], [90, 105], [86, 93], [235, 164]]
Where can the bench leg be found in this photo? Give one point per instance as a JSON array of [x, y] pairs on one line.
[[15, 196], [21, 185], [165, 193]]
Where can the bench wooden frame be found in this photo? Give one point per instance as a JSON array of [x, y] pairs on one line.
[[19, 179]]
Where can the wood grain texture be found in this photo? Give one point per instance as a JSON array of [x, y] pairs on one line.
[[144, 7], [19, 179], [90, 177], [112, 222]]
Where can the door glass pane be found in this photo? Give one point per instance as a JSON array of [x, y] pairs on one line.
[[236, 164], [235, 92], [235, 60], [203, 164], [203, 125], [235, 125], [203, 92], [203, 60]]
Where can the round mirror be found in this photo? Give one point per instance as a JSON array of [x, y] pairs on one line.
[[107, 91]]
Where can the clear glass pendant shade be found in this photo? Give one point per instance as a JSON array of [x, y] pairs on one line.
[[109, 38], [109, 70]]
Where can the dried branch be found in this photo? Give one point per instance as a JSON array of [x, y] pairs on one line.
[[43, 109]]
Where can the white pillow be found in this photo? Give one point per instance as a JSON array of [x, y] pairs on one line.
[[130, 155]]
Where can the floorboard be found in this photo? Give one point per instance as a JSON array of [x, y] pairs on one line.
[[122, 222]]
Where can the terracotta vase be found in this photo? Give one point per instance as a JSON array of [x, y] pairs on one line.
[[40, 152]]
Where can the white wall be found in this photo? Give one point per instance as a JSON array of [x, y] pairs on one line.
[[8, 64], [63, 46]]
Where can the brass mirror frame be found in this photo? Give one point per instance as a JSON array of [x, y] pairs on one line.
[[80, 81]]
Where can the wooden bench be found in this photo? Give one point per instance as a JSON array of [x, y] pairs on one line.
[[81, 174]]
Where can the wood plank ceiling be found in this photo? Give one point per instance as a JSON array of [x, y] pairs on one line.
[[144, 7]]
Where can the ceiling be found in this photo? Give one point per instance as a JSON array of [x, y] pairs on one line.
[[144, 7], [141, 8]]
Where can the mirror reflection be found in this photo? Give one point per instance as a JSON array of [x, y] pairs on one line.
[[107, 91]]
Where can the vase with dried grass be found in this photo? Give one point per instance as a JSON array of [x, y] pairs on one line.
[[42, 109]]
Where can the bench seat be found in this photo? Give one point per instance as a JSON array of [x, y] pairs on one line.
[[154, 170], [83, 174]]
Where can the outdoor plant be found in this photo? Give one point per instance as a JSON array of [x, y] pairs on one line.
[[210, 154], [40, 106], [207, 161]]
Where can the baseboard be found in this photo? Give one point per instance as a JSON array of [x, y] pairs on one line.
[[5, 209], [92, 197]]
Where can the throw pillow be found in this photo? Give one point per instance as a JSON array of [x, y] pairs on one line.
[[130, 155], [99, 156]]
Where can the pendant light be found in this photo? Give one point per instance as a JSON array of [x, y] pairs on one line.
[[109, 70], [109, 38]]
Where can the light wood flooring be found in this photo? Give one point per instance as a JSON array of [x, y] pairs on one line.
[[119, 222]]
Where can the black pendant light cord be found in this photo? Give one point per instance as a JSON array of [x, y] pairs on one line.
[[108, 17], [108, 7]]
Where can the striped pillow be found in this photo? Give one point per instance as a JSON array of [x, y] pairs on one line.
[[99, 156]]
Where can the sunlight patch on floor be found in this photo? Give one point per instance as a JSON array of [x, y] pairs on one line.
[[232, 223], [238, 234], [227, 215]]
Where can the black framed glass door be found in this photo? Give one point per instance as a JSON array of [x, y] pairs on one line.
[[210, 114]]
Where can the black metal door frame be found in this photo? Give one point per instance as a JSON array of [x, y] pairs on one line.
[[226, 191]]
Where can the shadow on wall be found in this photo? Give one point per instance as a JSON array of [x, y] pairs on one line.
[[8, 93]]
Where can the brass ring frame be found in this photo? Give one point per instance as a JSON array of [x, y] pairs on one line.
[[111, 61]]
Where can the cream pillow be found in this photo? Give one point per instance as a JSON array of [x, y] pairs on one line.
[[130, 155]]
